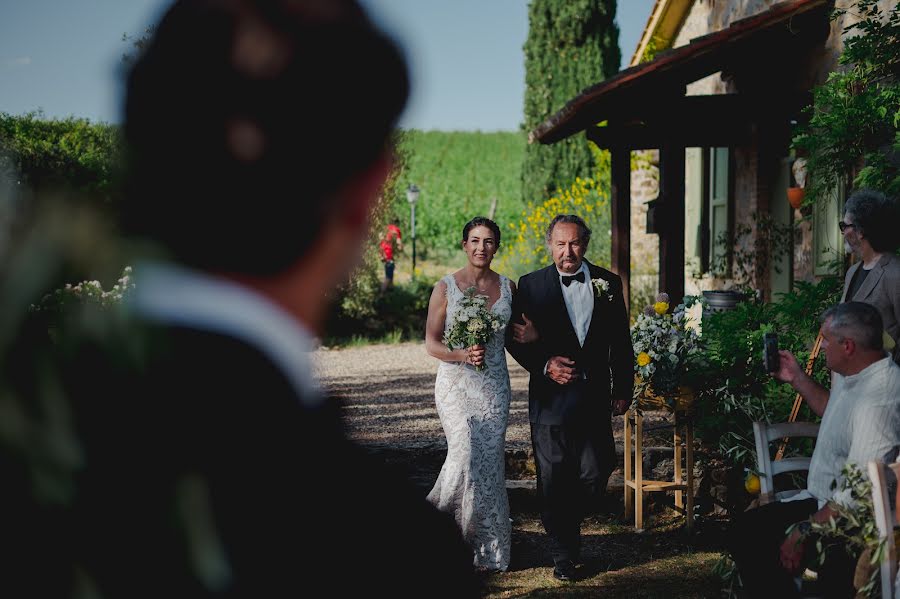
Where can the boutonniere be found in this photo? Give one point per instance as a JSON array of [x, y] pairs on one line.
[[601, 288]]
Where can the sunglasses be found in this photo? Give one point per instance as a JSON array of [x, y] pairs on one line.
[[842, 225]]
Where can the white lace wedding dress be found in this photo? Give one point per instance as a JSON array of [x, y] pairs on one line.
[[474, 407]]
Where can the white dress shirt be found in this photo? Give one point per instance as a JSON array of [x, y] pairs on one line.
[[178, 296], [579, 298], [861, 424]]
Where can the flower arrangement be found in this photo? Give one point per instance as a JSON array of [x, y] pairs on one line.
[[86, 292], [664, 343], [473, 323]]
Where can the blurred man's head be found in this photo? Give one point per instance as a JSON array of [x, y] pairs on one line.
[[852, 337], [258, 133]]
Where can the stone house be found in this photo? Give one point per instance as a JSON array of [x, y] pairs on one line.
[[711, 96]]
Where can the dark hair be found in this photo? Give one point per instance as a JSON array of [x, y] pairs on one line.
[[858, 321], [243, 118], [481, 221], [574, 219], [876, 217]]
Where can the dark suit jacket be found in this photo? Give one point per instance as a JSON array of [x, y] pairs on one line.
[[607, 357], [187, 466], [882, 290]]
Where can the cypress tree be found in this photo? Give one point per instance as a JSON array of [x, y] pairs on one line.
[[571, 45]]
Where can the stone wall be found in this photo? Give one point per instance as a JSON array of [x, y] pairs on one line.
[[644, 246]]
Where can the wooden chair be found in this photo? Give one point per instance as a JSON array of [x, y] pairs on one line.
[[768, 468], [885, 519], [765, 434]]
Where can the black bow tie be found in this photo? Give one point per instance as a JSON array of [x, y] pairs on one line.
[[567, 279]]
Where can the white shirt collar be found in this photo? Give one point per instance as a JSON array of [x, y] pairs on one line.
[[584, 269], [178, 296]]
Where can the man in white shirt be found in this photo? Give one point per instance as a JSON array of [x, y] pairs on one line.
[[860, 423]]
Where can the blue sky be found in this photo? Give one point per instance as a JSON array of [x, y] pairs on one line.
[[64, 56]]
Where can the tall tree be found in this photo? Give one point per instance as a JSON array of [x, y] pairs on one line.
[[571, 45]]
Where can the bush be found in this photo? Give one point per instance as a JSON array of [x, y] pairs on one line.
[[397, 315], [739, 392], [72, 154], [855, 115], [524, 250]]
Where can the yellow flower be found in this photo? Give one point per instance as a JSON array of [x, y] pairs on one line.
[[643, 359], [661, 307]]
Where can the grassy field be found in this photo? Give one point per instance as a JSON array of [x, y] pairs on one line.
[[460, 175]]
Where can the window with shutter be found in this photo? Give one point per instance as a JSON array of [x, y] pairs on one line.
[[828, 244], [781, 275], [719, 202], [693, 212]]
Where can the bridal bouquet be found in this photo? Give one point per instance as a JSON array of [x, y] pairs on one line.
[[664, 345], [473, 324]]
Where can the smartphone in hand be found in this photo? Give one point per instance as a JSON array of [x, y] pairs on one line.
[[771, 360]]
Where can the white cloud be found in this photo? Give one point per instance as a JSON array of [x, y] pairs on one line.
[[17, 62]]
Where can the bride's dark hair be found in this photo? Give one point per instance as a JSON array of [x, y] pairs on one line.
[[481, 221]]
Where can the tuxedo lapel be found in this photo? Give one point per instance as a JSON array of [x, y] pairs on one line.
[[600, 305], [871, 281], [849, 277]]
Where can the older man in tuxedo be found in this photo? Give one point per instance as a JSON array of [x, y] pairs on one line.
[[581, 374]]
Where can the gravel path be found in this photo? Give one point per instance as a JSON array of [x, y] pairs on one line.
[[389, 395]]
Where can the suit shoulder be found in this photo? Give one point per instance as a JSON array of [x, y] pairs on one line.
[[893, 266], [532, 276], [603, 273]]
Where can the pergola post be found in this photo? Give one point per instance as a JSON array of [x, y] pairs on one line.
[[671, 231], [620, 208]]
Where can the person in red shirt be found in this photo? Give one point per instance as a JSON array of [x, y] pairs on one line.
[[391, 241]]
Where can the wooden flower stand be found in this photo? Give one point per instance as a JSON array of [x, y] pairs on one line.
[[683, 481]]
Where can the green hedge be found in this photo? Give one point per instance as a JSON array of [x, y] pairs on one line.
[[72, 153]]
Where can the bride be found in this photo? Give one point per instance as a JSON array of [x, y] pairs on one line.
[[473, 405]]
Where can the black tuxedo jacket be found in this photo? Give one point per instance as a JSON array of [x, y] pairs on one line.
[[191, 468], [606, 359]]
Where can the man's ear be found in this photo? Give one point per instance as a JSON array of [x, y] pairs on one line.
[[849, 346], [363, 190]]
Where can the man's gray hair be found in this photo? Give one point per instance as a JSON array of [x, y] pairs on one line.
[[574, 219], [858, 321]]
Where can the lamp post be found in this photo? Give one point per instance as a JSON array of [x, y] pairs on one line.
[[412, 196]]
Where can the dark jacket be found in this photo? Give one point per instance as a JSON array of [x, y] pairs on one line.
[[186, 465], [607, 357], [881, 289]]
